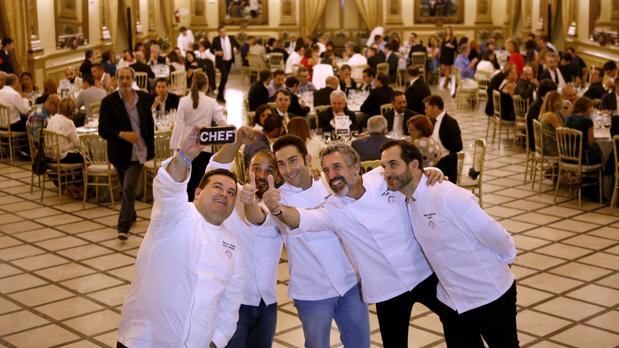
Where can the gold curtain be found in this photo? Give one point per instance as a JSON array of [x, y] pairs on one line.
[[166, 11], [14, 25], [314, 10], [110, 17], [568, 15], [514, 16], [371, 12]]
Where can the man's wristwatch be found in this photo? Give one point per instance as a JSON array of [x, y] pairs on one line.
[[280, 212]]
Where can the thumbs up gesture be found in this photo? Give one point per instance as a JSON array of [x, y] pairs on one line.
[[248, 193], [271, 197]]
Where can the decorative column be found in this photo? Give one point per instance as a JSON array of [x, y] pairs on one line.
[[484, 12], [32, 21]]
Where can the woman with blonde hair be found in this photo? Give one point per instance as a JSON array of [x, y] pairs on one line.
[[551, 118], [196, 109], [298, 126]]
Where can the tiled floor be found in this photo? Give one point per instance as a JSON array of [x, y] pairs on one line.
[[63, 273]]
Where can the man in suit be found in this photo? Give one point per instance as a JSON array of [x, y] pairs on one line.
[[126, 122], [323, 95], [282, 104], [297, 107], [369, 147], [527, 84], [277, 82], [163, 101], [337, 108], [5, 55], [259, 91], [140, 66], [447, 132], [367, 77], [609, 102], [397, 118], [374, 58], [89, 59], [223, 48], [553, 72], [596, 89], [391, 57], [380, 95], [545, 86], [494, 84], [416, 91]]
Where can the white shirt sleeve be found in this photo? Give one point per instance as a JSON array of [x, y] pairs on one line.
[[229, 306], [462, 209], [314, 220], [179, 127], [21, 104], [219, 117], [170, 205]]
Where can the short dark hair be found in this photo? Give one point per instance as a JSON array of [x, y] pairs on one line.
[[89, 79], [600, 71], [345, 67], [279, 72], [609, 66], [106, 55], [434, 100], [264, 75], [182, 29], [545, 86], [161, 79], [88, 53], [370, 72], [6, 41], [581, 105], [356, 49], [383, 78], [408, 151], [261, 109], [221, 26], [273, 122], [282, 91], [291, 81], [219, 171], [25, 73], [290, 140], [396, 94], [413, 71]]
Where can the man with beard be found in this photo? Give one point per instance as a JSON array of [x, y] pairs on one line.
[[261, 247], [323, 283], [71, 83], [126, 122], [467, 249], [373, 227]]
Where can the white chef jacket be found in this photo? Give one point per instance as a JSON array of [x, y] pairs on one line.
[[188, 281], [468, 250], [184, 42], [319, 267], [15, 102], [376, 233], [293, 58], [261, 247]]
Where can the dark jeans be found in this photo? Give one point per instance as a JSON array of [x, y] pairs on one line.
[[224, 69], [394, 317], [198, 167], [256, 326], [19, 126], [495, 321], [128, 178]]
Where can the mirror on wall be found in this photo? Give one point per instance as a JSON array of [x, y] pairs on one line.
[[71, 23], [604, 22]]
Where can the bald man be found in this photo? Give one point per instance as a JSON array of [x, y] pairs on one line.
[[39, 117], [71, 84]]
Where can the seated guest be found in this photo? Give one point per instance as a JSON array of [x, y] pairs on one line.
[[273, 129], [297, 106], [62, 124], [191, 64], [89, 60], [447, 132], [90, 92], [420, 129], [305, 85], [298, 126], [155, 57], [596, 89], [416, 90], [140, 66], [552, 70], [486, 64], [39, 117], [368, 80], [262, 113], [49, 87], [102, 79], [259, 91], [391, 57], [18, 105], [107, 62], [374, 58], [278, 47], [399, 115], [277, 83], [357, 58], [347, 83], [70, 82], [545, 86], [28, 89], [323, 95], [176, 63], [380, 95], [162, 100], [551, 117], [282, 105], [581, 120], [466, 67], [514, 56], [326, 118], [294, 58], [126, 59], [569, 93], [369, 147], [507, 89], [610, 74], [609, 101], [527, 84], [494, 84]]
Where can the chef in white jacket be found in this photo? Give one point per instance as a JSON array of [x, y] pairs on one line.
[[467, 249], [188, 282]]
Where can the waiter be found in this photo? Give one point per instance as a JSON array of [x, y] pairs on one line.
[[223, 48]]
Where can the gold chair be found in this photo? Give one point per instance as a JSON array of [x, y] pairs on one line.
[[613, 200], [178, 83], [464, 94], [497, 119], [317, 110], [249, 118], [97, 165], [295, 68], [357, 72], [255, 64], [367, 166], [483, 80], [276, 61], [12, 139], [571, 169], [596, 103], [469, 183], [382, 68], [33, 142], [460, 167], [418, 59], [239, 167], [93, 109], [246, 104], [141, 79], [162, 151], [541, 161], [521, 108], [70, 172], [385, 108]]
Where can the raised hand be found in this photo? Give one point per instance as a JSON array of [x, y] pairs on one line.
[[190, 145], [248, 193], [271, 197], [245, 135]]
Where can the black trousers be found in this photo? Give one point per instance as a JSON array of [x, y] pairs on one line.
[[394, 318], [495, 321], [198, 167], [224, 69], [128, 179], [120, 345]]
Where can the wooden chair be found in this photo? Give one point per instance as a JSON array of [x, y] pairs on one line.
[[541, 161], [255, 64], [571, 169], [96, 166], [357, 72], [11, 139], [521, 108], [419, 59], [465, 95], [382, 68], [385, 108], [178, 83], [613, 200], [64, 173], [496, 119], [483, 80], [93, 110], [249, 118], [162, 151], [596, 103], [366, 166], [475, 185], [460, 167], [317, 110], [276, 61], [141, 79]]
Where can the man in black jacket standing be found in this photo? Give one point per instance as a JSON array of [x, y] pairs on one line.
[[494, 84], [379, 96], [447, 132], [223, 48], [259, 91], [126, 122], [416, 91]]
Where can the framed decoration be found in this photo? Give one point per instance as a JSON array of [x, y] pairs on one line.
[[289, 13], [198, 14], [237, 12], [394, 11], [439, 11]]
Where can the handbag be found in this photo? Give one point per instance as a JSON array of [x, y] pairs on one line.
[[39, 166]]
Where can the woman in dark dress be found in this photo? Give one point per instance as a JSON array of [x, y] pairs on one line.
[[581, 120], [448, 54]]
